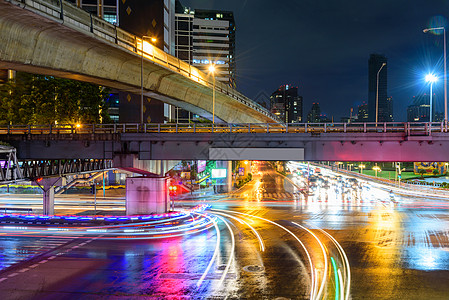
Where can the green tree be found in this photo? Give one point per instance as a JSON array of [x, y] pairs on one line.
[[38, 99], [422, 172]]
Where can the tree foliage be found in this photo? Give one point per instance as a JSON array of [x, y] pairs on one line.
[[38, 99]]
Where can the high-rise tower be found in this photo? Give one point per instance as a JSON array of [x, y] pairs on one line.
[[205, 37], [286, 104]]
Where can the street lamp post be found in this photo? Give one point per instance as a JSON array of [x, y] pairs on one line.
[[445, 66], [377, 91], [376, 169], [361, 166], [212, 71], [431, 78], [141, 75]]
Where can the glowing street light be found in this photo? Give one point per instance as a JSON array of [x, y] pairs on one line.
[[431, 78], [153, 39], [445, 66], [361, 167], [212, 71], [377, 91], [377, 169]]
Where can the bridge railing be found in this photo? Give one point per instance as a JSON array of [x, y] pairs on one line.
[[83, 21], [410, 128]]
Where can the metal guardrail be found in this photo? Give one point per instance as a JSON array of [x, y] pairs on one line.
[[409, 129], [8, 163], [406, 186], [19, 170], [74, 17]]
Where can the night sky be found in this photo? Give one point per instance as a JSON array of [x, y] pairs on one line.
[[323, 48]]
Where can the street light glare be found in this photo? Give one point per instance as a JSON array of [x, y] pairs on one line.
[[153, 40], [212, 68], [431, 78], [433, 29]]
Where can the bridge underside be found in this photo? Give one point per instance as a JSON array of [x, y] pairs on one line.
[[253, 146], [51, 46]]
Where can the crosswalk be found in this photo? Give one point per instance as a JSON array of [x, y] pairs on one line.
[[14, 250], [284, 195]]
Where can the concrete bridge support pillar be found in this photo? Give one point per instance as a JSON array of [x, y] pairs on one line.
[[146, 195], [48, 187], [225, 185]]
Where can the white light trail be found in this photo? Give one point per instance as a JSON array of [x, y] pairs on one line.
[[261, 243], [323, 282], [214, 256], [312, 273], [231, 256], [347, 283]]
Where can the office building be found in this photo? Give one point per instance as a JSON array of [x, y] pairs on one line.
[[419, 110], [105, 9], [153, 18], [389, 107], [378, 87], [314, 115], [184, 32], [156, 19], [205, 37], [286, 104], [362, 113]]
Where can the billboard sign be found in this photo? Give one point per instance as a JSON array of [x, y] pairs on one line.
[[218, 173], [201, 165]]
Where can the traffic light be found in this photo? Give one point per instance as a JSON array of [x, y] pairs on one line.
[[173, 189]]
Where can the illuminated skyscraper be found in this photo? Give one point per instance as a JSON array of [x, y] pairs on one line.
[[205, 37], [286, 104], [314, 115]]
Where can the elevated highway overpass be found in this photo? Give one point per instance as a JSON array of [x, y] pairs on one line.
[[309, 142], [54, 37], [130, 146]]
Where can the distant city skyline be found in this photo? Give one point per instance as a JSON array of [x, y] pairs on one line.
[[323, 48]]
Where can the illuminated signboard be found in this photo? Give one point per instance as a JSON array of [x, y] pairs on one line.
[[201, 165], [218, 173]]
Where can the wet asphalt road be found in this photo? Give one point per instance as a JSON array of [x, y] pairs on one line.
[[395, 251]]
